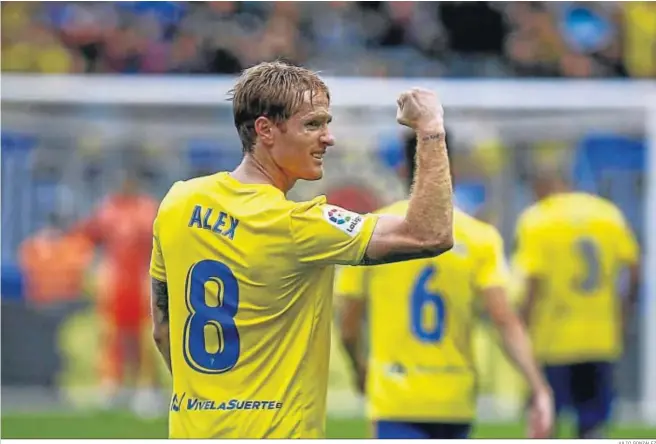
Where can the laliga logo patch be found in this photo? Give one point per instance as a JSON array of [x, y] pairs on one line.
[[350, 223], [338, 217]]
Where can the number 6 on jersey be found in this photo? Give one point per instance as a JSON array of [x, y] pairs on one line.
[[421, 297], [218, 319]]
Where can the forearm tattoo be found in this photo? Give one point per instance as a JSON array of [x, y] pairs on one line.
[[434, 136], [160, 292]]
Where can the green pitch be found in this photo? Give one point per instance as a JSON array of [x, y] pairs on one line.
[[123, 425]]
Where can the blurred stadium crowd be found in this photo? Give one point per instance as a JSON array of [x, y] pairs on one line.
[[471, 39]]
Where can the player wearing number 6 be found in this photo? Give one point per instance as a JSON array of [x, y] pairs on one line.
[[242, 277], [420, 375], [571, 248]]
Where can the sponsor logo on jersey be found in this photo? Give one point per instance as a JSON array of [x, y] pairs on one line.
[[347, 221], [177, 401], [181, 402]]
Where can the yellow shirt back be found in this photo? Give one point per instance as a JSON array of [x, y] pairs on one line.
[[576, 243], [421, 314], [250, 278]]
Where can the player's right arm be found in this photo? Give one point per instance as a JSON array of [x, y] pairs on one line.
[[631, 297], [324, 234], [159, 299], [351, 290], [491, 280], [629, 254], [427, 228], [160, 313]]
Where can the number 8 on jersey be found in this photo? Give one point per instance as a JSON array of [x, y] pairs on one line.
[[220, 318]]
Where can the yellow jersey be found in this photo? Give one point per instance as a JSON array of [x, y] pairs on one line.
[[421, 317], [576, 244], [250, 279]]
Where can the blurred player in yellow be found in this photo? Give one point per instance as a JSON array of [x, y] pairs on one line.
[[243, 277], [421, 381], [571, 248]]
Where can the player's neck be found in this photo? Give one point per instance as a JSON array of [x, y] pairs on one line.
[[555, 191], [256, 170]]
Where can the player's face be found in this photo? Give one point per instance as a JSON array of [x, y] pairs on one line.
[[303, 140]]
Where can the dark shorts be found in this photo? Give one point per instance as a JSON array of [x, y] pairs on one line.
[[421, 430], [587, 388]]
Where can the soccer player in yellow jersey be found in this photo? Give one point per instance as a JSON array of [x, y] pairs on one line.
[[420, 375], [571, 248], [242, 277]]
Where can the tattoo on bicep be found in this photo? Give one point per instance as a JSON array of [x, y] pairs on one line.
[[160, 292]]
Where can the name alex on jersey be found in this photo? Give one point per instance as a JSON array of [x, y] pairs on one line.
[[218, 222], [195, 404]]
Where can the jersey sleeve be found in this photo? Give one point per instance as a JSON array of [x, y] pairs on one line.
[[327, 234], [350, 282], [528, 255], [157, 268], [492, 270]]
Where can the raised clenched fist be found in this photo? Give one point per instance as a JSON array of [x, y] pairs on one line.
[[420, 109]]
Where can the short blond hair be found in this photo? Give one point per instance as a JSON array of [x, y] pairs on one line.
[[271, 89]]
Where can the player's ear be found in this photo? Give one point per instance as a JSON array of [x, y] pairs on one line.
[[264, 128]]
